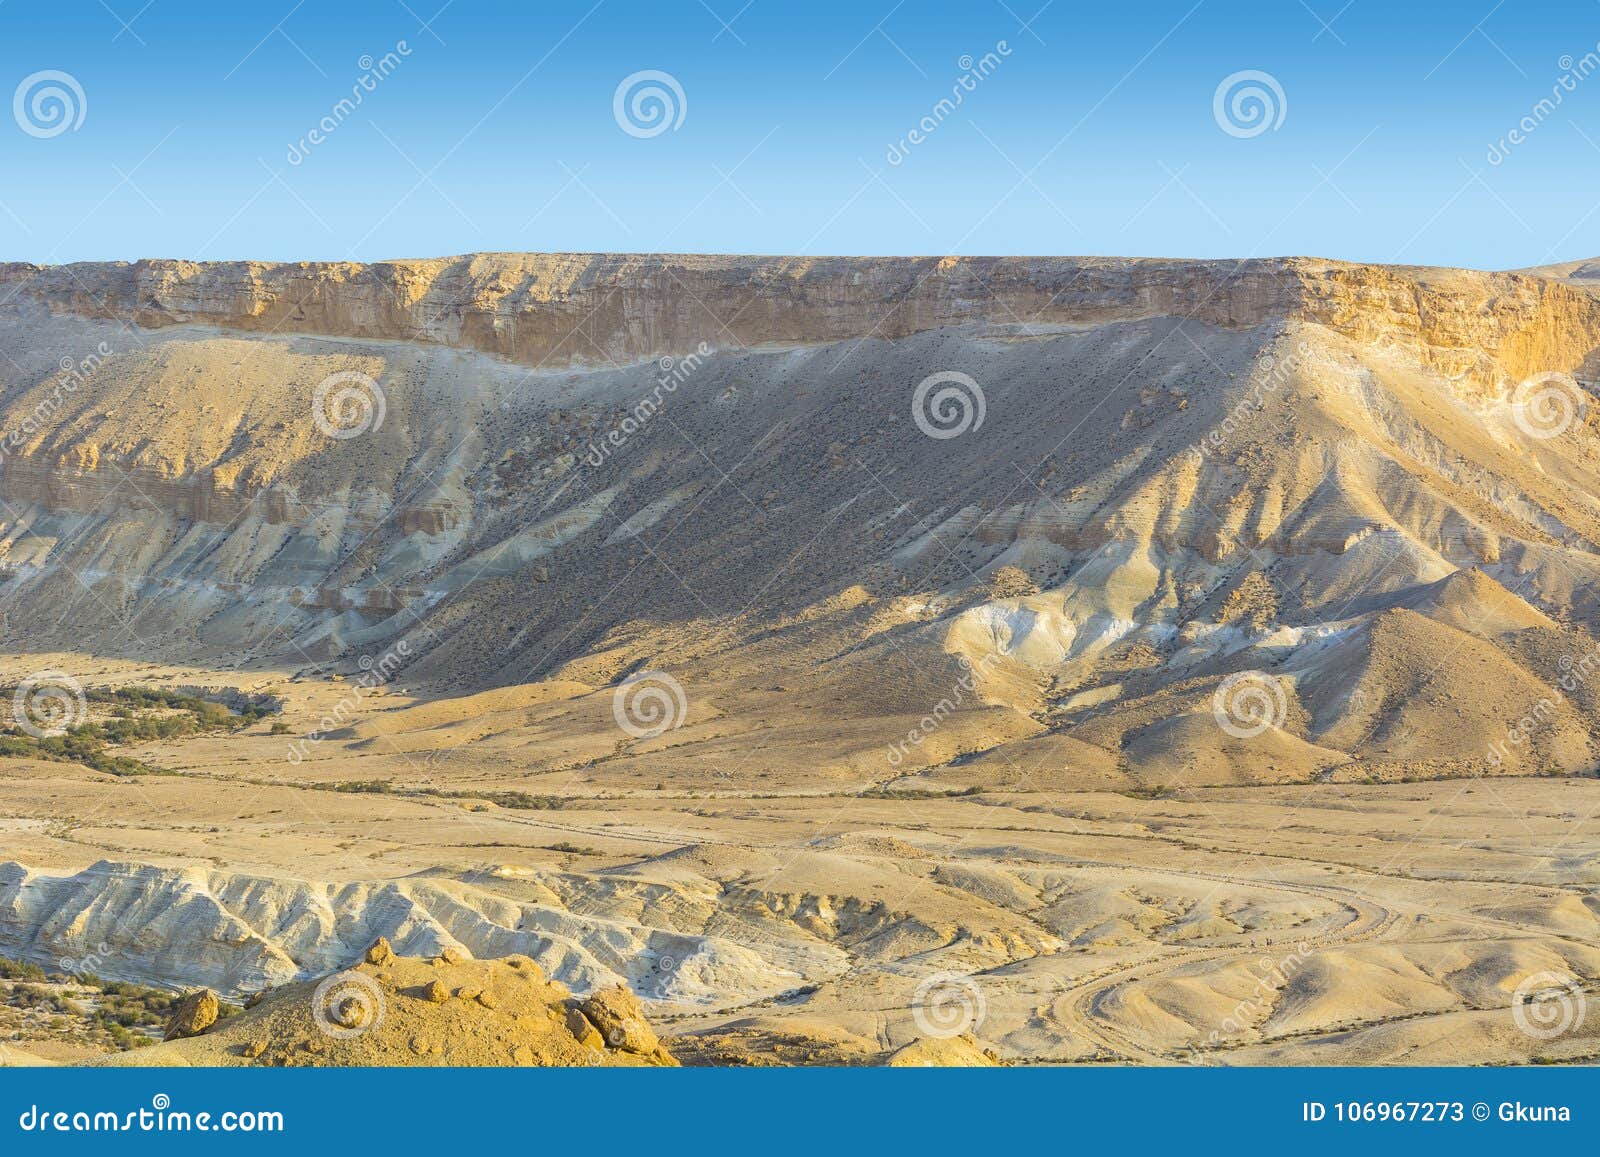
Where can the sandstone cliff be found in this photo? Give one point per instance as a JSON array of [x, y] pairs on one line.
[[583, 309]]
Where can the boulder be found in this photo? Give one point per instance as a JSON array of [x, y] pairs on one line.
[[194, 1013], [616, 1012], [584, 1031]]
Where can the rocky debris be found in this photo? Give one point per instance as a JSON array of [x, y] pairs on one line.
[[616, 1012], [941, 1053], [768, 1041], [195, 1013], [1011, 582], [527, 967], [583, 1030], [401, 1012], [449, 956], [380, 952]]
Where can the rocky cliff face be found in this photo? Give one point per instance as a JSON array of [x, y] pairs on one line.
[[1486, 328], [560, 309], [583, 309]]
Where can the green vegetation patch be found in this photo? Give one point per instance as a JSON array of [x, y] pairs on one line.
[[131, 715], [106, 1013]]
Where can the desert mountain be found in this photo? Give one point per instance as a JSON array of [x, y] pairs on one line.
[[776, 636], [582, 467]]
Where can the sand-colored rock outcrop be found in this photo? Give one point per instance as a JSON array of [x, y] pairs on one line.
[[555, 309], [195, 1013], [501, 1012]]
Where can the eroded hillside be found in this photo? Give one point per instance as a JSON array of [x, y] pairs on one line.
[[1319, 470], [1051, 555]]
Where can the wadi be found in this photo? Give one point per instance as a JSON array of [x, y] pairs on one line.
[[704, 660]]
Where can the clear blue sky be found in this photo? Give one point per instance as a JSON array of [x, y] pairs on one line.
[[1093, 133]]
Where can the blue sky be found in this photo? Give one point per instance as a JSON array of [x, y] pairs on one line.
[[1093, 131]]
